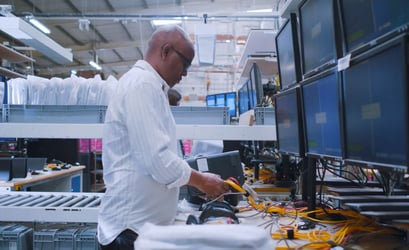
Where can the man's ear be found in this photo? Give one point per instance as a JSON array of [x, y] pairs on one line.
[[165, 49]]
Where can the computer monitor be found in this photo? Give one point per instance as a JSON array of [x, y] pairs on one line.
[[376, 106], [231, 103], [288, 53], [256, 86], [378, 19], [290, 135], [210, 101], [319, 35], [322, 117], [19, 167], [5, 169], [226, 164], [243, 99], [220, 100], [36, 163]]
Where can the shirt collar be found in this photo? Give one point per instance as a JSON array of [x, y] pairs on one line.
[[146, 66]]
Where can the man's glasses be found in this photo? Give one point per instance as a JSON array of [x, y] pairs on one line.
[[186, 62]]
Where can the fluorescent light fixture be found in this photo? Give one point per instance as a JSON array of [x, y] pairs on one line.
[[260, 11], [39, 25], [32, 37], [95, 65], [159, 22]]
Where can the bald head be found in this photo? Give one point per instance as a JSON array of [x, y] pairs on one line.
[[170, 52]]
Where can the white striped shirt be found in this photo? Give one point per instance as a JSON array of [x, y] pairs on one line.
[[142, 171]]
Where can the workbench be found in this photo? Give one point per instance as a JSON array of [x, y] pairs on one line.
[[64, 180]]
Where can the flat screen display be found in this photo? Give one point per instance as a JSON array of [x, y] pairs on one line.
[[318, 44], [288, 122], [321, 100], [376, 107], [231, 103], [243, 99], [288, 54], [220, 100], [210, 101], [255, 87], [376, 18]]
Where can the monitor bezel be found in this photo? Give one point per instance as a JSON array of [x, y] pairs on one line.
[[338, 48], [256, 86], [312, 80], [403, 41], [301, 136], [292, 24]]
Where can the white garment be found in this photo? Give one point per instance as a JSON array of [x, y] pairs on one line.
[[142, 171]]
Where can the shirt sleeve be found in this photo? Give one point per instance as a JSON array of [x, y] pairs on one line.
[[152, 132]]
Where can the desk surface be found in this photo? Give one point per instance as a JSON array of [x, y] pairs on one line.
[[44, 175]]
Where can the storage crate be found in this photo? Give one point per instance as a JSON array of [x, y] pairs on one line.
[[16, 237], [54, 113], [86, 239], [44, 239], [65, 239], [201, 115], [265, 116]]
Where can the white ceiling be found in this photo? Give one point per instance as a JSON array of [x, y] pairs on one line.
[[119, 29]]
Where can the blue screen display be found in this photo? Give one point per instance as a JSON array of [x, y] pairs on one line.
[[287, 122], [322, 116], [220, 100], [243, 99], [376, 18], [210, 101], [375, 108], [317, 33], [231, 103]]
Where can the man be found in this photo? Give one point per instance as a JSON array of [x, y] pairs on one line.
[[142, 171]]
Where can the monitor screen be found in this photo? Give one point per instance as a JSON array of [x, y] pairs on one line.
[[243, 99], [288, 54], [220, 100], [318, 43], [5, 169], [226, 164], [255, 87], [288, 122], [210, 101], [231, 103], [321, 98], [376, 18], [376, 106]]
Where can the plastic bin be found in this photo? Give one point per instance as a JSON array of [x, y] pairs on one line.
[[86, 239], [54, 113], [265, 116], [16, 237], [55, 239], [201, 115]]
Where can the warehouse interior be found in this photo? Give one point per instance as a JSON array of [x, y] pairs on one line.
[[300, 106]]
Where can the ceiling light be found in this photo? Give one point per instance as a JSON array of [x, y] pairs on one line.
[[39, 25], [159, 22], [95, 65], [260, 11]]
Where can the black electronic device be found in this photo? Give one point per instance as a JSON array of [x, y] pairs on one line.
[[376, 106], [378, 22], [319, 35], [213, 212], [288, 53], [256, 93], [5, 169], [36, 163], [244, 102], [321, 96], [226, 164], [289, 125], [19, 167]]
